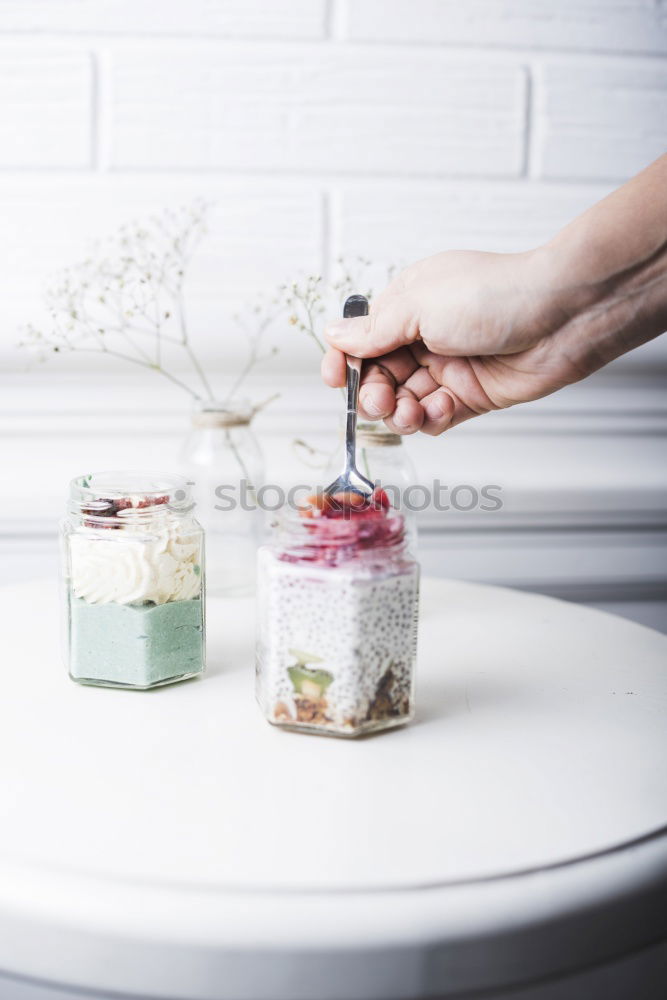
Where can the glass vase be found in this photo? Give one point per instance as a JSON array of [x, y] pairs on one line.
[[222, 460]]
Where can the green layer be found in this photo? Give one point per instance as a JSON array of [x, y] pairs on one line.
[[136, 645]]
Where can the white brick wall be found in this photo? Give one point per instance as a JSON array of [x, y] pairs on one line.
[[404, 225], [356, 110], [46, 109], [596, 25], [391, 128], [287, 19], [600, 118], [388, 128]]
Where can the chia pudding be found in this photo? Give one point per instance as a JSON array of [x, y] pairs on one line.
[[338, 599], [133, 574]]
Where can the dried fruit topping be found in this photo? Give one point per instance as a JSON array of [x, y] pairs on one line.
[[152, 502], [100, 511], [110, 508], [281, 713], [345, 504]]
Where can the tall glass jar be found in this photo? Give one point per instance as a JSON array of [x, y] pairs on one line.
[[337, 620], [223, 463], [384, 459], [133, 572]]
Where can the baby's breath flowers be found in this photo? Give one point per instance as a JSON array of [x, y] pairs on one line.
[[308, 300], [304, 303], [254, 322], [126, 300]]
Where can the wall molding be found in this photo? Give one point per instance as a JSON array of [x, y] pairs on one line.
[[583, 475]]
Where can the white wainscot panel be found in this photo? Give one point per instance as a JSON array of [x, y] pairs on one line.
[[582, 475]]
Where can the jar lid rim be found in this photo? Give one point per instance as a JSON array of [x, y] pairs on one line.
[[129, 494], [128, 481]]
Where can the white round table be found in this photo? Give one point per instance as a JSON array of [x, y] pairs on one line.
[[172, 844]]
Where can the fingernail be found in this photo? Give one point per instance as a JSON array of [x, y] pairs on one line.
[[400, 420], [369, 405], [434, 410]]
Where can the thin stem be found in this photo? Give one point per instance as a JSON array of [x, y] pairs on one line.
[[245, 371], [237, 456], [264, 403], [311, 322], [177, 381], [142, 364], [158, 331], [311, 333], [139, 329], [253, 357], [200, 371], [180, 305]]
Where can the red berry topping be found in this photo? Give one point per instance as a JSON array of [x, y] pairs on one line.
[[346, 524]]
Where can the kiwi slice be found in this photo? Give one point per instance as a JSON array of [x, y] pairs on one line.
[[309, 682]]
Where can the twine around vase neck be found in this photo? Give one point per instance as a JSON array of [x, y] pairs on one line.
[[221, 418], [377, 439]]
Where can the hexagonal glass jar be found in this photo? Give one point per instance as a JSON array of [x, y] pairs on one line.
[[337, 625], [133, 581]]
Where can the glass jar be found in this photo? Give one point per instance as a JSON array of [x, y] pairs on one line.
[[337, 621], [133, 571], [222, 461], [384, 459]]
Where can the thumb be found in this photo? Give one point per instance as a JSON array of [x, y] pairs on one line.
[[390, 324]]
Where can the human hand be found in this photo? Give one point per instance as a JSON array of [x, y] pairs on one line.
[[463, 333], [454, 336]]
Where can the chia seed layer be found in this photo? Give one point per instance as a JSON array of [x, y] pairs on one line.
[[336, 645]]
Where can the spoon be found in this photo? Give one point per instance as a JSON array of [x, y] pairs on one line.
[[350, 479]]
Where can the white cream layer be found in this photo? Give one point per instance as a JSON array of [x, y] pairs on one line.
[[115, 565]]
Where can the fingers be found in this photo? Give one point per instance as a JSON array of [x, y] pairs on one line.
[[439, 411], [408, 416], [421, 383], [333, 368], [377, 396], [391, 324], [400, 390]]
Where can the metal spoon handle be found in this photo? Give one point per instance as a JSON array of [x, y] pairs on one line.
[[353, 378], [355, 305], [350, 479]]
